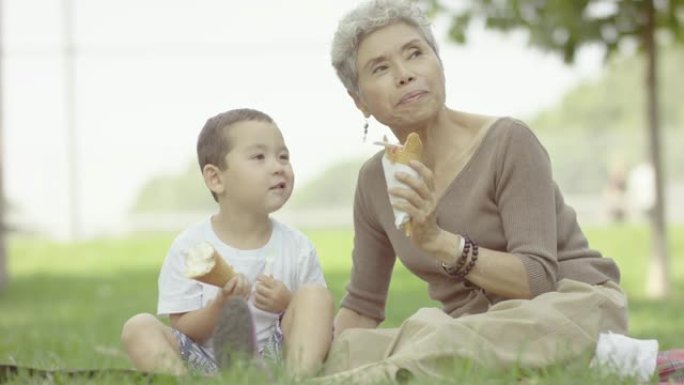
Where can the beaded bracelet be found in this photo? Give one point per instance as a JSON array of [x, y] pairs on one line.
[[473, 260], [453, 270]]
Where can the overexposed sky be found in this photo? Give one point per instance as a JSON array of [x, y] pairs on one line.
[[148, 73]]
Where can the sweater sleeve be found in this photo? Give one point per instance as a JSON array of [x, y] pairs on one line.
[[372, 257], [525, 194]]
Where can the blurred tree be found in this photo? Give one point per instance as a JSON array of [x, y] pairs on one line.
[[564, 26], [179, 192], [608, 102], [333, 187], [186, 191], [602, 117]]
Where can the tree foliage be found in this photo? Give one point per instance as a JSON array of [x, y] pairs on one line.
[[184, 191], [334, 187], [565, 26], [609, 103]]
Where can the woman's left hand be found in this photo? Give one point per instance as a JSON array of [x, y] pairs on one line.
[[418, 200]]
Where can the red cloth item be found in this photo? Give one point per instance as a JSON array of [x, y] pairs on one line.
[[670, 367]]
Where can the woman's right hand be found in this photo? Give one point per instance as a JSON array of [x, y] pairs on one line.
[[418, 200], [237, 286]]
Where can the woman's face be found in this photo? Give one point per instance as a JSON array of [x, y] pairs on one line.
[[401, 80]]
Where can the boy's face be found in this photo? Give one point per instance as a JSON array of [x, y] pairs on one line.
[[259, 175]]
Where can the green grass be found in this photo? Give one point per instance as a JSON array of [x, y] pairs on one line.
[[65, 303]]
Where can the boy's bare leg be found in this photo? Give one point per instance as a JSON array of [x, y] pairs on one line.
[[307, 328], [151, 345]]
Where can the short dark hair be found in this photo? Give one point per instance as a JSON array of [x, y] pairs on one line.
[[213, 144]]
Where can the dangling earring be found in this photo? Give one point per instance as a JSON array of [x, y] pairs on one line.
[[365, 130]]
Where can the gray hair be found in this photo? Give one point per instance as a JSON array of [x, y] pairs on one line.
[[365, 19]]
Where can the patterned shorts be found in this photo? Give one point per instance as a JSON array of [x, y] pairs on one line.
[[200, 359]]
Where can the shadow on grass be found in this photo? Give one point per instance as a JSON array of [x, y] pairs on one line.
[[29, 375]]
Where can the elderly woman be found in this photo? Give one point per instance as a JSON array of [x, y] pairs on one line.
[[491, 234]]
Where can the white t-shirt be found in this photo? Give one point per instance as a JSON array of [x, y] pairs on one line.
[[289, 256]]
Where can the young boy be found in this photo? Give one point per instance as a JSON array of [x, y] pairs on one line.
[[279, 295]]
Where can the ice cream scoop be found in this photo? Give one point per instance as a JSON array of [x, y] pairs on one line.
[[204, 264]]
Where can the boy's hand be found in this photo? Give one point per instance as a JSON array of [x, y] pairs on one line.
[[237, 286], [271, 295]]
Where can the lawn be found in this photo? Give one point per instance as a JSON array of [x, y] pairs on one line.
[[65, 303]]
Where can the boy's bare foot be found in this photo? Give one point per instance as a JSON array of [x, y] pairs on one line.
[[234, 338]]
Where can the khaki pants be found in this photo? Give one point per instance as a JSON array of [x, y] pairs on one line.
[[551, 328]]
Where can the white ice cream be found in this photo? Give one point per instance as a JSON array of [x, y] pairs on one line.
[[199, 260]]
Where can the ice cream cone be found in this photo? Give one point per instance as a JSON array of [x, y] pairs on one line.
[[204, 264], [219, 275], [411, 150]]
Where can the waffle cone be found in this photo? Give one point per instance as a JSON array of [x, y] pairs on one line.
[[411, 150], [219, 275]]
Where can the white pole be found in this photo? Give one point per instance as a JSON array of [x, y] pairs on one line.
[[70, 105]]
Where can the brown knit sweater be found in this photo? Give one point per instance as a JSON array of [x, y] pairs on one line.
[[504, 198]]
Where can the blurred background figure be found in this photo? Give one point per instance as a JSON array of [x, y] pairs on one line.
[[641, 191], [615, 193]]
